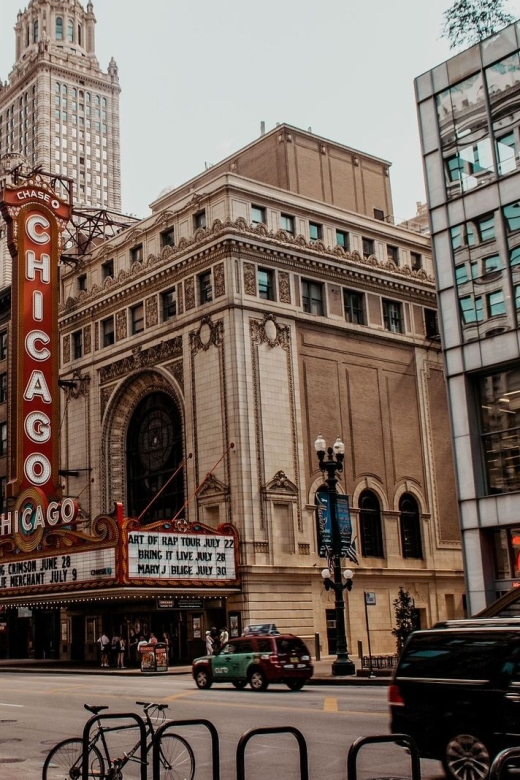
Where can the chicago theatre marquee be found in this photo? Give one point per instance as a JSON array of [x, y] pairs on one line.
[[67, 573]]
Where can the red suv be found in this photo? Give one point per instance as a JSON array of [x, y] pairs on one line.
[[257, 660]]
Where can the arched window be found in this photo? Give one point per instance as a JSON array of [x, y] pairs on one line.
[[80, 35], [154, 451], [370, 525], [27, 35], [411, 544], [70, 30], [35, 31], [59, 28]]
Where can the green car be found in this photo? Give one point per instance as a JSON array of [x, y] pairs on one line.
[[257, 660]]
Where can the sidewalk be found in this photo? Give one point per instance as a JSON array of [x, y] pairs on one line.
[[322, 671]]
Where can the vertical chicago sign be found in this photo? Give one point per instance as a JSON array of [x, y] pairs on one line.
[[36, 218]]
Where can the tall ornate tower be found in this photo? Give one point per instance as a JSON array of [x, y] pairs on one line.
[[58, 109]]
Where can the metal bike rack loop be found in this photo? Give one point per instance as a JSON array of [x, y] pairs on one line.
[[244, 739], [501, 760], [114, 716], [169, 724], [399, 739]]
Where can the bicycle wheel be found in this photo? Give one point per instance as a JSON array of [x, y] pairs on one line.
[[64, 762], [176, 758]]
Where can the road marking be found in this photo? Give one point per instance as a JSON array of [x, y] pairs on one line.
[[178, 695], [2, 704], [330, 704]]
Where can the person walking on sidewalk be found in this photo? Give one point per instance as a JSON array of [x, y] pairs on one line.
[[121, 647], [104, 643]]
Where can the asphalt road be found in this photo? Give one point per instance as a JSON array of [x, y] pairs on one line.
[[38, 710]]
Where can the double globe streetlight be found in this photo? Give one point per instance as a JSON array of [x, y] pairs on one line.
[[331, 465]]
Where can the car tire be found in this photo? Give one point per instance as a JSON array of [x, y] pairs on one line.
[[295, 685], [240, 684], [203, 679], [466, 757], [257, 680]]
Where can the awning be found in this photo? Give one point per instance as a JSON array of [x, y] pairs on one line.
[[112, 594]]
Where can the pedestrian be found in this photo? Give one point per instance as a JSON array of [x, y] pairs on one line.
[[224, 636], [209, 643], [153, 639], [113, 650], [121, 647], [216, 640], [166, 640], [104, 643]]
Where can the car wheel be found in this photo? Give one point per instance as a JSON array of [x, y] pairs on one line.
[[257, 680], [203, 679], [240, 684], [295, 685], [466, 757]]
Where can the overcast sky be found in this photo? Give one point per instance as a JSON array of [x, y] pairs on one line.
[[197, 79]]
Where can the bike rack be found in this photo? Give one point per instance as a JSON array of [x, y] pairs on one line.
[[215, 745], [113, 716], [399, 739], [244, 739], [501, 760]]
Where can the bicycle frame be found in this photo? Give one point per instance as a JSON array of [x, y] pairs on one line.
[[145, 730]]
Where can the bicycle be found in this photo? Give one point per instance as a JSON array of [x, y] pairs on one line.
[[64, 762]]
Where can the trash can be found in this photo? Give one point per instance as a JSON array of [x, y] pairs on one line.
[[154, 658]]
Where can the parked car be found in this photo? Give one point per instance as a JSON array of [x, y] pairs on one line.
[[456, 692], [257, 659]]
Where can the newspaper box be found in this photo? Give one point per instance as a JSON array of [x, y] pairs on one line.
[[154, 658]]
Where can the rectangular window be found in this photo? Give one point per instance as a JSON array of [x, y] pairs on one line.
[[486, 227], [343, 239], [107, 332], [353, 302], [472, 309], [512, 216], [77, 344], [499, 401], [392, 252], [287, 223], [393, 316], [416, 261], [258, 215], [167, 238], [379, 214], [205, 289], [315, 231], [368, 247], [136, 254], [82, 282], [107, 269], [3, 438], [312, 297], [199, 219], [266, 284], [3, 345], [431, 324], [137, 319], [169, 304], [3, 388]]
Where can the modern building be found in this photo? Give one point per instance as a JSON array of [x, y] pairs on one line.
[[469, 117], [263, 302], [59, 110]]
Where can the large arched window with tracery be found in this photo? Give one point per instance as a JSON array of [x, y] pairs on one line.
[[154, 452], [410, 522], [370, 525]]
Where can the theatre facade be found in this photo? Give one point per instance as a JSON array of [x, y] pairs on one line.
[[171, 487]]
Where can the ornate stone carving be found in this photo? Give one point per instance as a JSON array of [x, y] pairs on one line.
[[261, 547], [209, 334], [189, 293], [142, 358], [96, 336], [105, 395], [268, 331], [176, 369], [81, 385], [66, 349], [281, 483], [249, 279], [219, 281], [180, 299], [121, 325], [304, 549], [213, 487], [87, 339], [284, 287], [151, 311]]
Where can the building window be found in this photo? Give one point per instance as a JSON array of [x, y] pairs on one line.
[[3, 486], [416, 261], [392, 252], [499, 400], [167, 237], [107, 270], [410, 526], [368, 247], [379, 214], [77, 344], [343, 239], [199, 219], [287, 223], [136, 254], [266, 284], [35, 32], [70, 31], [3, 345], [59, 28], [137, 319], [205, 289], [169, 304], [354, 304], [315, 231], [485, 227], [3, 388], [370, 525], [312, 297], [512, 216], [3, 438], [431, 324], [393, 316], [82, 282], [107, 332], [258, 215]]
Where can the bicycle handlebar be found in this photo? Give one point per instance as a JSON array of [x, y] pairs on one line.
[[149, 704]]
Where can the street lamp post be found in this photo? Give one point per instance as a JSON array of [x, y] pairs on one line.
[[331, 466]]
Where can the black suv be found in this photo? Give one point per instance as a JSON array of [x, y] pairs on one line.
[[456, 692]]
